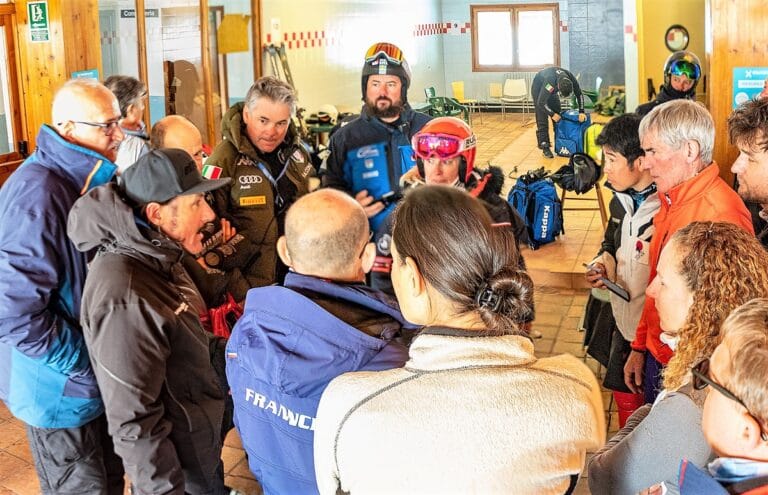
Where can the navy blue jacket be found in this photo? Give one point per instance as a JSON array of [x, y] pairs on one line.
[[283, 352], [372, 155], [46, 378]]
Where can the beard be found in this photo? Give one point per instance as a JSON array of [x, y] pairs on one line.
[[392, 110]]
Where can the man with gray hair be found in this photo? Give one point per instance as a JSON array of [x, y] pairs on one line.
[[292, 340], [677, 138], [131, 94], [46, 378], [269, 167]]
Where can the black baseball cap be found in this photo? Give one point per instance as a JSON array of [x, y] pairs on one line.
[[163, 174]]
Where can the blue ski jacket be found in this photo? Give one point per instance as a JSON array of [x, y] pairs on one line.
[[46, 378], [282, 353]]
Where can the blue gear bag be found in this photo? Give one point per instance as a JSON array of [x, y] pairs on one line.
[[535, 199], [569, 133]]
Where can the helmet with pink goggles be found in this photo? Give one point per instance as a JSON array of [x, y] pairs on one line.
[[446, 138]]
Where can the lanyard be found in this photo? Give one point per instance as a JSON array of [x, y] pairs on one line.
[[279, 201]]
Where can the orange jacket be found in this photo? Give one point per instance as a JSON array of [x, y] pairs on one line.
[[705, 197]]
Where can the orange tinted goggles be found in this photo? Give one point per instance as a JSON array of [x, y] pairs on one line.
[[387, 50]]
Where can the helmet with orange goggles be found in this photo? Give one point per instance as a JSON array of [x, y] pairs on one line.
[[386, 59], [446, 138], [682, 63]]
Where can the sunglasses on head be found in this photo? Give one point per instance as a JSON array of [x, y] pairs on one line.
[[386, 50], [701, 379], [444, 146], [687, 69]]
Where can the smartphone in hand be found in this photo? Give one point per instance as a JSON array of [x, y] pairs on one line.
[[610, 285]]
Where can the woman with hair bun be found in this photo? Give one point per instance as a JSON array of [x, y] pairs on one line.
[[473, 410]]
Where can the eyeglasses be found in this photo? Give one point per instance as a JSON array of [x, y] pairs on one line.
[[370, 238], [444, 146], [387, 50], [687, 69], [700, 381], [107, 127]]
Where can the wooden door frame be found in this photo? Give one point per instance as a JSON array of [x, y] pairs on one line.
[[18, 124]]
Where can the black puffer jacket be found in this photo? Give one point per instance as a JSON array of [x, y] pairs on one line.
[[150, 354], [665, 95]]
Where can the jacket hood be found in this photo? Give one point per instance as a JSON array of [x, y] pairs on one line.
[[102, 219], [233, 130]]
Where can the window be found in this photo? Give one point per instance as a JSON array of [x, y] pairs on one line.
[[515, 37]]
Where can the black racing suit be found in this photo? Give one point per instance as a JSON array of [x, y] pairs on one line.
[[546, 100]]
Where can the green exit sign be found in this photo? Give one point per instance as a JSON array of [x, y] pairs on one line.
[[39, 26]]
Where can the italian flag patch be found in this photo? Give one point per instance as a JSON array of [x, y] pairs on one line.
[[549, 87], [211, 172]]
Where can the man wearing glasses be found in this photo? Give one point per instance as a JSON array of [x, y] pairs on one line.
[[371, 153], [292, 340], [46, 378]]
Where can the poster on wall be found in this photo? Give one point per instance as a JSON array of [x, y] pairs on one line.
[[39, 26], [748, 82]]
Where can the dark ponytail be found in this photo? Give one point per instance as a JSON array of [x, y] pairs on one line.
[[450, 236]]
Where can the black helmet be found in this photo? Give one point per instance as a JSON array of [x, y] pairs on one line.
[[387, 59], [580, 175], [682, 63]]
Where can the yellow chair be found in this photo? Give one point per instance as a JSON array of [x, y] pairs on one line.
[[458, 95]]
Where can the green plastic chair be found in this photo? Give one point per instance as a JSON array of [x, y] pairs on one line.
[[448, 107]]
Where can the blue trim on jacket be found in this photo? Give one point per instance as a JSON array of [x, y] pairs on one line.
[[282, 354], [46, 378]]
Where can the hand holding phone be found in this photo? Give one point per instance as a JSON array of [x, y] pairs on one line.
[[595, 272]]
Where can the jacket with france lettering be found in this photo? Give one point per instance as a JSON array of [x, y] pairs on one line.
[[250, 202], [289, 344], [151, 356], [372, 155], [46, 378], [625, 253]]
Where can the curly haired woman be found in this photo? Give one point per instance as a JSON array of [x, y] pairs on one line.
[[705, 272]]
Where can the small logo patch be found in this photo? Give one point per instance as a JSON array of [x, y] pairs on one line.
[[549, 87], [298, 157], [253, 201], [211, 171]]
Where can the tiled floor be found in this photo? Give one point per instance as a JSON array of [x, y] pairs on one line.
[[556, 269]]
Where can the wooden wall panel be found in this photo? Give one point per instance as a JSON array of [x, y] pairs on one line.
[[42, 68], [74, 45], [82, 36], [738, 32]]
